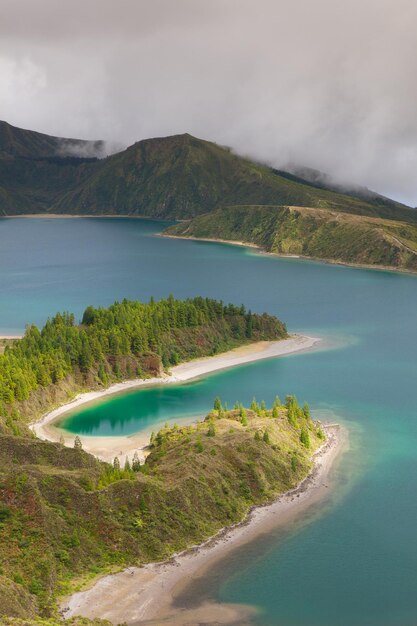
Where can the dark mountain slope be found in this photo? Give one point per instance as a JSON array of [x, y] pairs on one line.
[[36, 169], [18, 142], [172, 177], [181, 176]]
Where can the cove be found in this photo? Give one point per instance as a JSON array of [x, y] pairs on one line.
[[355, 561], [144, 409]]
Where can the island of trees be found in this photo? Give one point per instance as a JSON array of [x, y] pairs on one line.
[[129, 339]]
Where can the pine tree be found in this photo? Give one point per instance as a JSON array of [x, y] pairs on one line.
[[257, 436], [266, 437], [306, 411], [218, 405], [305, 437], [77, 443], [211, 430], [102, 374], [62, 440], [136, 463], [249, 325], [116, 463], [127, 465], [293, 410]]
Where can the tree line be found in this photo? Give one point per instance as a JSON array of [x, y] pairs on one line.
[[116, 342]]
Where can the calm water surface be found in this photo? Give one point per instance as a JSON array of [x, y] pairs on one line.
[[354, 561]]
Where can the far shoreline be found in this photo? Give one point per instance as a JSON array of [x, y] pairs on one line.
[[58, 216], [246, 244], [278, 255], [107, 448], [151, 594]]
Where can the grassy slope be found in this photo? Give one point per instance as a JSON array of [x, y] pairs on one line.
[[171, 177], [57, 524], [311, 232]]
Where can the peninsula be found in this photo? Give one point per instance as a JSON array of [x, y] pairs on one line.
[[309, 233], [66, 515]]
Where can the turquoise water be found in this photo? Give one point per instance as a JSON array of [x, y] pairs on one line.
[[355, 562]]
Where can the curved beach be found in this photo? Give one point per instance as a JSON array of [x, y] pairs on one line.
[[152, 594], [106, 448]]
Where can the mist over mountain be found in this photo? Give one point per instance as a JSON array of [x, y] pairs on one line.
[[325, 84], [174, 177]]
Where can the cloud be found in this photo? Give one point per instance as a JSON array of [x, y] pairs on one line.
[[328, 84]]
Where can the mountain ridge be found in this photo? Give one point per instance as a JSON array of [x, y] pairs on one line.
[[175, 177]]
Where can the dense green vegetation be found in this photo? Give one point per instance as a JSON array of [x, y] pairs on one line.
[[127, 340], [63, 519], [171, 177], [308, 232]]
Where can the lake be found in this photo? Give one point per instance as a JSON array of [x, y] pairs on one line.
[[353, 562]]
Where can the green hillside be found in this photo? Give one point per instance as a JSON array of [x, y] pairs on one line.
[[174, 177], [309, 232], [65, 516]]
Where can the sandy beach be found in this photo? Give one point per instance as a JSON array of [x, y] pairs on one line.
[[106, 448], [152, 594]]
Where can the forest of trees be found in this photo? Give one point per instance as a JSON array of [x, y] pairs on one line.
[[127, 339]]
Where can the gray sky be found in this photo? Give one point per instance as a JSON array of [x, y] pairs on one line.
[[331, 84]]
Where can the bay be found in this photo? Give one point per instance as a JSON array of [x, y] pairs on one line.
[[353, 562]]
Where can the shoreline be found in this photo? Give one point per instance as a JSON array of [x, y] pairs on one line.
[[107, 447], [278, 255], [57, 216], [247, 244], [151, 594]]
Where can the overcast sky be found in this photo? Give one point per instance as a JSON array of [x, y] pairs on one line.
[[331, 84]]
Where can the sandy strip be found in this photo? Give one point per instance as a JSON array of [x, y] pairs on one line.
[[151, 594], [107, 448], [63, 216], [11, 336]]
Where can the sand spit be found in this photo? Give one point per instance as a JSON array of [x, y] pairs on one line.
[[106, 448], [150, 594]]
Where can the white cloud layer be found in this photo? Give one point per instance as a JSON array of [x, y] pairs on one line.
[[326, 83]]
